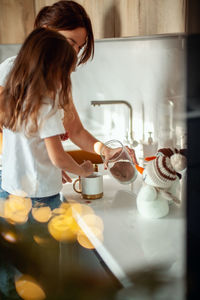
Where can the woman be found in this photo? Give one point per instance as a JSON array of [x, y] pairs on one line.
[[71, 20]]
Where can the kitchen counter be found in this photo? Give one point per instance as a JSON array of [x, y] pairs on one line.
[[131, 242]]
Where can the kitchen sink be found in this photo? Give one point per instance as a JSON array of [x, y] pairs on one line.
[[80, 156]]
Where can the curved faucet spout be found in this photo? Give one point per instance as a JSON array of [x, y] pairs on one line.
[[108, 102]]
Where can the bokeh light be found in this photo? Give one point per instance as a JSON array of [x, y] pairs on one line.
[[16, 209], [85, 210], [93, 221], [9, 236], [60, 228], [42, 241], [28, 288], [84, 241], [72, 222], [93, 233], [41, 214]]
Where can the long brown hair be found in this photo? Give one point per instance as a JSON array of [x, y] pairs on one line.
[[42, 68], [68, 15]]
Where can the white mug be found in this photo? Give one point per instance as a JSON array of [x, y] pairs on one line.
[[90, 187]]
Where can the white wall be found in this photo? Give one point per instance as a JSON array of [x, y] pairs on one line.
[[8, 51], [147, 72]]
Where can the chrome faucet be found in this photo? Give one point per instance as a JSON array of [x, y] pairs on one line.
[[131, 140]]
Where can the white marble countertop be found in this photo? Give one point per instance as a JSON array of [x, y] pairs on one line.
[[131, 242]]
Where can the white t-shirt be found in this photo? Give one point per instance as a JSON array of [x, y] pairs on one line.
[[5, 68], [26, 166]]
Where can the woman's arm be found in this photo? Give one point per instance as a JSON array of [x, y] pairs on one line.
[[64, 161], [78, 134], [82, 138]]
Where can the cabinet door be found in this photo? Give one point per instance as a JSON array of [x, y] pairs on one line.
[[121, 18], [101, 13], [16, 20], [149, 17]]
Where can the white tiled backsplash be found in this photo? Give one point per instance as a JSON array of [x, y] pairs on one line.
[[148, 72]]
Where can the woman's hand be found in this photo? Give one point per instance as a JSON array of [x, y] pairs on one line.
[[87, 167], [111, 154], [131, 152]]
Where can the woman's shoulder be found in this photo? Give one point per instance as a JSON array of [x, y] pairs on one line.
[[8, 61], [5, 68]]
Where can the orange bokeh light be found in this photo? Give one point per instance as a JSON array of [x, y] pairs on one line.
[[16, 209], [41, 214], [59, 228], [28, 289]]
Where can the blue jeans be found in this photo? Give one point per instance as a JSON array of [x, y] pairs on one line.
[[52, 201]]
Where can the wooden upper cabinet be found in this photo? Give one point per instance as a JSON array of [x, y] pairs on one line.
[[162, 16], [16, 20], [149, 17], [41, 3], [121, 18], [101, 13], [110, 18]]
